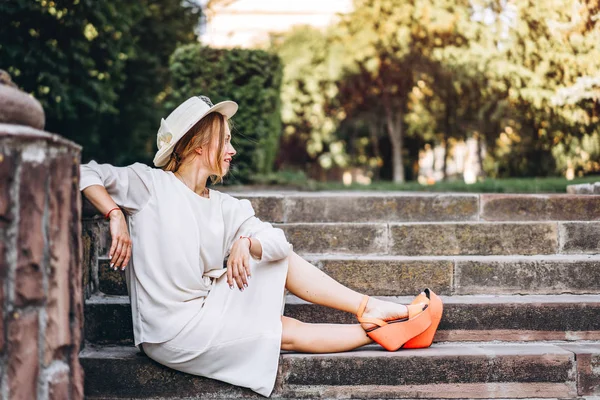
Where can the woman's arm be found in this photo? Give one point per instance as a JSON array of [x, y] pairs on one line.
[[256, 248], [268, 243], [253, 245], [128, 187], [99, 197], [108, 187], [120, 249]]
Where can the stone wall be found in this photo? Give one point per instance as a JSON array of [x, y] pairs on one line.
[[96, 244], [41, 299], [584, 188]]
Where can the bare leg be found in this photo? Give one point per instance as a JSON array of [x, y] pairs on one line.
[[311, 284], [321, 338]]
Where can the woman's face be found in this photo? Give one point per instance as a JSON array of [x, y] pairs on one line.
[[228, 151]]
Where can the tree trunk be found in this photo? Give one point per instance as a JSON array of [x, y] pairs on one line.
[[481, 172], [373, 132], [484, 131], [395, 132], [445, 141]]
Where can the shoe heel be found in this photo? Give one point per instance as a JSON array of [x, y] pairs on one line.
[[425, 339]]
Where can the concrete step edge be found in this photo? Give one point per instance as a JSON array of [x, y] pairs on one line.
[[100, 298], [351, 193], [416, 223], [446, 370], [509, 318], [457, 258], [373, 350], [398, 193], [483, 258]]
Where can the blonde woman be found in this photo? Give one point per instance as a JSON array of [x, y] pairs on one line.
[[192, 314]]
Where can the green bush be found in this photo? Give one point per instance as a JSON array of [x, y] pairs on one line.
[[251, 78], [97, 67]]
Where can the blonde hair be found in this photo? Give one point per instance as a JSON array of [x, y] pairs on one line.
[[209, 128]]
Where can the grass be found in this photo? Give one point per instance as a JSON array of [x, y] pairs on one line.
[[507, 185]]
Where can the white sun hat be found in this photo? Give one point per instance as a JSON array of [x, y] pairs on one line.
[[182, 119]]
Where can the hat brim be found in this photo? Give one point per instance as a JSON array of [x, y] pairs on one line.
[[227, 108]]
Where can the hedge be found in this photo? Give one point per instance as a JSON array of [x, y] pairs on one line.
[[252, 78]]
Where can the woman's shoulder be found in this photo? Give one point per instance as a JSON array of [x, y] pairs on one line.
[[232, 203], [148, 171], [224, 197], [144, 168], [137, 167]]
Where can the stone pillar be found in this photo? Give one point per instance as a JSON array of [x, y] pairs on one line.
[[41, 300]]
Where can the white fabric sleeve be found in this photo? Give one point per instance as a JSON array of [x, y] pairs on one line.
[[273, 241], [243, 222], [128, 186]]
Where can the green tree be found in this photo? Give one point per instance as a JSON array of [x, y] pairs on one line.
[[162, 26], [312, 66], [520, 77], [96, 66], [394, 43], [548, 46], [252, 78], [488, 69]]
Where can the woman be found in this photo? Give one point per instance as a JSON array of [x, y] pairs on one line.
[[190, 313]]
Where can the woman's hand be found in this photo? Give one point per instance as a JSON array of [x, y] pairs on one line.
[[120, 249], [238, 264]]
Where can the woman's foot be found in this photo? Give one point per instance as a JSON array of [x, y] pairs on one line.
[[386, 311]]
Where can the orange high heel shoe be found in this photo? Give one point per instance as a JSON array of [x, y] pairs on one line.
[[436, 309], [392, 335]]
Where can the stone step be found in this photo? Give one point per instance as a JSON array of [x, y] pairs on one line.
[[445, 238], [474, 370], [292, 207], [446, 275], [466, 318]]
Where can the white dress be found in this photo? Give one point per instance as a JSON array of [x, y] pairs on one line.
[[184, 313]]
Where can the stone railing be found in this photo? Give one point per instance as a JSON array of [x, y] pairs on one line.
[[96, 243], [584, 188], [41, 299]]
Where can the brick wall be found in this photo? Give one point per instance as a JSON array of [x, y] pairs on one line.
[[41, 299]]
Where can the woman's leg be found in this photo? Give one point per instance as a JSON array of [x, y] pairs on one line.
[[311, 284], [321, 338]]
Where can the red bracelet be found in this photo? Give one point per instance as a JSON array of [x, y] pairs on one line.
[[108, 213], [246, 237]]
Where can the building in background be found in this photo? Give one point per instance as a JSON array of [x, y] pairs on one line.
[[248, 23]]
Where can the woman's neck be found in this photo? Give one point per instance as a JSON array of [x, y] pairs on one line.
[[193, 178]]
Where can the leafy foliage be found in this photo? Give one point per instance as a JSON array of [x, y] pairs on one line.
[[252, 78], [97, 67], [313, 65], [521, 77]]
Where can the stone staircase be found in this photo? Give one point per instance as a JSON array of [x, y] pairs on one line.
[[519, 275]]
